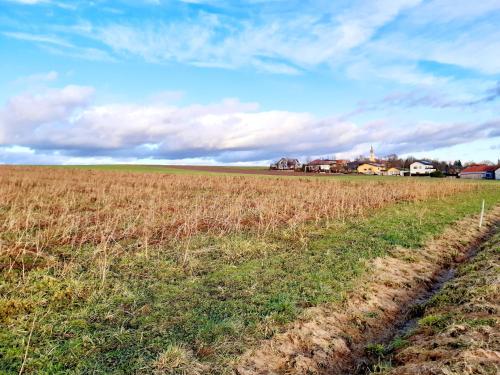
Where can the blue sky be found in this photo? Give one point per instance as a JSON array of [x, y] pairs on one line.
[[244, 82]]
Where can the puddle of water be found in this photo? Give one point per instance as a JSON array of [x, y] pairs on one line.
[[417, 310]]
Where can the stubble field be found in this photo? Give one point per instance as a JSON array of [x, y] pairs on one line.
[[118, 272]]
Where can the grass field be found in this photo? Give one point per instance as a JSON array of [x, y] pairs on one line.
[[139, 168], [132, 168], [108, 271]]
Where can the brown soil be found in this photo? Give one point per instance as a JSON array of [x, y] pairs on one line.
[[331, 339]]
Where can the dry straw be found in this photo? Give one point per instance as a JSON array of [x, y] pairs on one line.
[[45, 208]]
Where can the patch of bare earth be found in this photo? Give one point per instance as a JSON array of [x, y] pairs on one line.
[[331, 339]]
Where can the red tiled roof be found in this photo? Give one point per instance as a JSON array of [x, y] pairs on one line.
[[327, 161], [479, 168], [320, 162]]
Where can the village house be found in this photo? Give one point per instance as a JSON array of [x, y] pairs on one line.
[[479, 172], [497, 173], [371, 168], [393, 171], [421, 167], [318, 165], [326, 166], [286, 164]]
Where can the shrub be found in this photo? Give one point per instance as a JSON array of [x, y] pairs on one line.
[[437, 174]]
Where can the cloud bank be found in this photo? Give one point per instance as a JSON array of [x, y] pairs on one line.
[[65, 122]]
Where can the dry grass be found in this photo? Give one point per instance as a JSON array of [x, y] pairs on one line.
[[459, 332], [42, 208], [155, 273]]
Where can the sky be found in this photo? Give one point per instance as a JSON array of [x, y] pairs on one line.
[[247, 82]]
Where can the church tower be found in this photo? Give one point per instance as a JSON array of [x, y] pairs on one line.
[[372, 154]]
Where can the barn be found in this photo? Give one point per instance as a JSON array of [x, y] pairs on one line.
[[318, 165], [479, 171]]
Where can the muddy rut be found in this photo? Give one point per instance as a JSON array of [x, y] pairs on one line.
[[332, 339]]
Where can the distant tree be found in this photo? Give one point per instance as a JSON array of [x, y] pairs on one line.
[[440, 165], [410, 159], [487, 162], [392, 157], [394, 161]]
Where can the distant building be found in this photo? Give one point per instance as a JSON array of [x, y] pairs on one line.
[[286, 164], [393, 171], [421, 167], [497, 173], [318, 165], [479, 171], [372, 155], [338, 166], [371, 168]]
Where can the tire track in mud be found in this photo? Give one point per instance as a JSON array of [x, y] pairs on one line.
[[332, 339]]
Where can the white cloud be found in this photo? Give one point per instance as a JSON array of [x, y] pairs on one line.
[[64, 122], [48, 39], [23, 114], [38, 78], [348, 37], [272, 43], [28, 2]]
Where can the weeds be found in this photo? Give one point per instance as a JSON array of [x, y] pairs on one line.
[[138, 273]]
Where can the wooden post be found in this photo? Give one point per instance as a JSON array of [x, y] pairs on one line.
[[482, 214]]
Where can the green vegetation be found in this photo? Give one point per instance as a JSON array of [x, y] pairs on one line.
[[136, 168], [459, 329], [438, 322], [438, 174], [149, 311]]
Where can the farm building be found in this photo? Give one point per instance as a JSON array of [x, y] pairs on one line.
[[421, 167], [338, 166], [326, 165], [371, 168], [318, 165], [479, 171], [286, 164], [393, 171], [497, 174]]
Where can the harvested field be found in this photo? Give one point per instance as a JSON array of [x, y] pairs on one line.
[[42, 208], [115, 272]]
